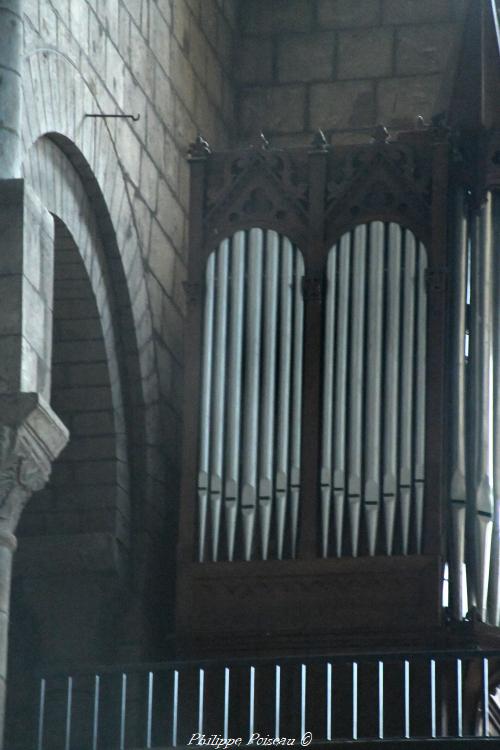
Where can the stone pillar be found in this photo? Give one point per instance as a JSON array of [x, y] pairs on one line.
[[11, 38], [31, 437]]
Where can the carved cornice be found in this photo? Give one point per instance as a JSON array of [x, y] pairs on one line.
[[31, 438]]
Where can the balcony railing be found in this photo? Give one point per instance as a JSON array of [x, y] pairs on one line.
[[320, 699]]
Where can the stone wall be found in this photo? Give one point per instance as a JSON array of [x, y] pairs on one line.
[[340, 65], [170, 62]]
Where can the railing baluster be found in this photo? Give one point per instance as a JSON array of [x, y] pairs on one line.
[[277, 704], [407, 698], [149, 728], [226, 701], [486, 695], [381, 700], [303, 696], [355, 700], [251, 714], [123, 710], [175, 708], [329, 701], [201, 699], [459, 699], [69, 702], [95, 723], [41, 713], [433, 698]]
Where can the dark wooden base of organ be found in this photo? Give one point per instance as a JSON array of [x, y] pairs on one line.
[[309, 606]]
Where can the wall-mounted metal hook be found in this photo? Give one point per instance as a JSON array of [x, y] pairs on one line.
[[134, 118]]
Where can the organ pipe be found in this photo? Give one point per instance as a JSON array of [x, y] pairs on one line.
[[340, 413], [356, 383], [482, 327], [407, 377], [391, 382], [251, 398], [298, 352], [372, 489], [203, 474], [234, 390], [216, 478], [266, 483], [458, 492]]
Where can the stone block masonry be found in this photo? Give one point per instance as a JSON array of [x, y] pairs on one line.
[[340, 65]]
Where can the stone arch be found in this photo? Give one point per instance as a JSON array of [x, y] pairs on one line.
[[57, 96]]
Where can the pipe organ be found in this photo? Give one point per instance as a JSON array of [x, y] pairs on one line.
[[342, 409]]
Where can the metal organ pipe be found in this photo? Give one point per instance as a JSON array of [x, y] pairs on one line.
[[419, 472], [217, 446], [391, 382], [252, 383], [266, 481], [407, 375], [494, 595], [356, 384], [482, 326], [283, 420], [328, 390], [458, 491], [372, 489], [203, 473], [295, 442], [234, 390]]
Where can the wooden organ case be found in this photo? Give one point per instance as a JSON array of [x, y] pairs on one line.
[[342, 381]]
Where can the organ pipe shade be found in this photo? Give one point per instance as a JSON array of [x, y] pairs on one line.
[[251, 399], [373, 421]]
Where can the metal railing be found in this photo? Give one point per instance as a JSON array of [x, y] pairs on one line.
[[310, 699]]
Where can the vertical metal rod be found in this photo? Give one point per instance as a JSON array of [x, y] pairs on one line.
[[41, 713], [175, 708], [458, 493], [459, 699], [277, 701], [341, 371], [296, 436], [354, 700], [227, 678], [69, 701], [251, 713], [95, 723], [266, 435], [357, 369], [123, 711], [303, 699], [233, 453], [407, 698], [420, 377], [372, 425], [219, 386], [486, 698], [201, 699], [149, 725], [252, 391], [328, 391], [407, 378], [391, 380], [205, 409], [433, 698], [285, 362], [381, 700], [329, 698]]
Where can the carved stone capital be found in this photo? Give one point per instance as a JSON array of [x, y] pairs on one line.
[[31, 438]]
